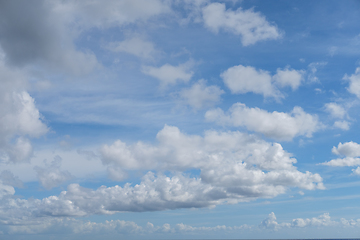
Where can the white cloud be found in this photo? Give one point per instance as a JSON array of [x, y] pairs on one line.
[[52, 176], [335, 110], [108, 13], [241, 79], [277, 125], [271, 223], [19, 117], [200, 95], [350, 150], [244, 79], [322, 220], [289, 77], [344, 125], [250, 25], [168, 74], [354, 82], [312, 69], [135, 46]]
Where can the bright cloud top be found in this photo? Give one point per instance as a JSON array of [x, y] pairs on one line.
[[276, 125], [250, 25], [243, 79]]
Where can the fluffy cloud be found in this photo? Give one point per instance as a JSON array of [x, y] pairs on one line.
[[354, 82], [168, 74], [250, 25], [19, 117], [241, 79], [277, 125], [234, 166], [135, 46], [351, 153], [289, 77], [52, 176], [271, 223], [244, 79], [335, 110], [200, 95]]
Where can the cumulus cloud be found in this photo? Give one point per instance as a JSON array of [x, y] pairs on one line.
[[135, 46], [52, 176], [243, 79], [335, 110], [354, 82], [271, 223], [19, 117], [200, 95], [322, 220], [251, 26], [289, 77], [338, 112], [312, 70], [234, 166], [168, 74], [277, 125], [350, 152]]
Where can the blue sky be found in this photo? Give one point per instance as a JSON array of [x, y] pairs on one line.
[[158, 119]]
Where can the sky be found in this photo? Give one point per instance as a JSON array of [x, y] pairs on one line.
[[179, 119]]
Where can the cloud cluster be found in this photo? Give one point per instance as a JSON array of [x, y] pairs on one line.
[[276, 125], [351, 156], [243, 79], [69, 225], [250, 25], [19, 117], [338, 112]]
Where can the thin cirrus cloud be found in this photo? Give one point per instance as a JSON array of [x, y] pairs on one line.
[[243, 79], [277, 125], [250, 25]]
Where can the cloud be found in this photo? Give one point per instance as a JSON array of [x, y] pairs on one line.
[[52, 176], [111, 13], [135, 46], [37, 33], [168, 74], [276, 125], [200, 95], [335, 110], [289, 77], [351, 153], [250, 25], [344, 125], [243, 79], [43, 32], [271, 223], [312, 69], [8, 178], [19, 117], [338, 112], [322, 220], [354, 82]]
